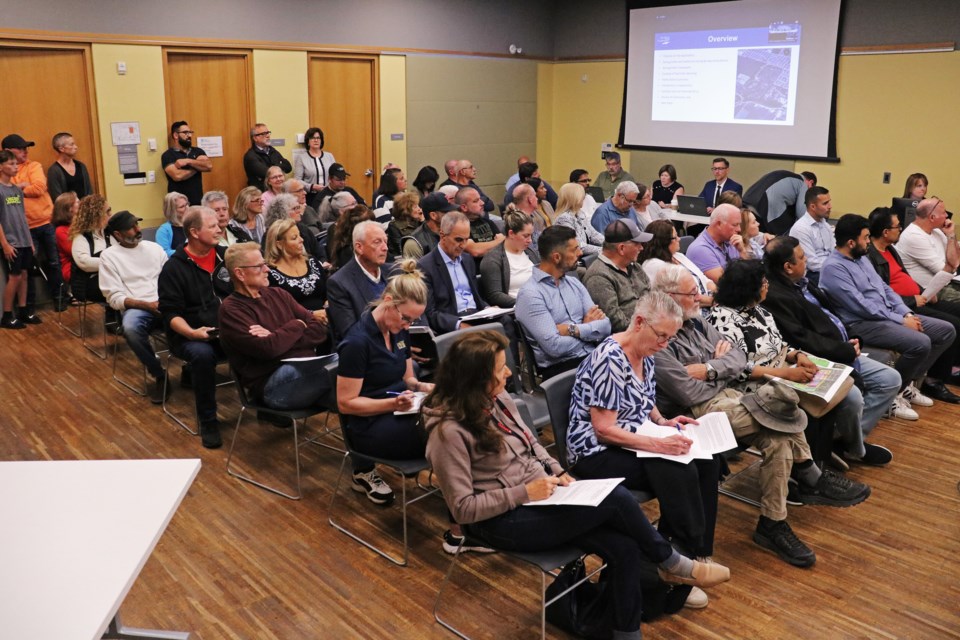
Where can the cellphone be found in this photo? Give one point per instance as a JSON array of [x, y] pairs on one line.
[[213, 333]]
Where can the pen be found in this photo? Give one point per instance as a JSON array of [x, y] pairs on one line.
[[395, 393]]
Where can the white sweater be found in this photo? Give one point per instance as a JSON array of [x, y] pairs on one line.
[[131, 273]]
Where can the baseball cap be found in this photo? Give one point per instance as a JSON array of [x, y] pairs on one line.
[[625, 230], [337, 171], [121, 221], [436, 201], [16, 141]]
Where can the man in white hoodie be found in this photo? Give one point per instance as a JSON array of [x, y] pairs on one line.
[[129, 271]]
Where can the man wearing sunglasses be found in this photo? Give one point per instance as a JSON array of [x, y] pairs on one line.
[[261, 156]]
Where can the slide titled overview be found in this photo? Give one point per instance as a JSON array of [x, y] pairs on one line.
[[727, 76]]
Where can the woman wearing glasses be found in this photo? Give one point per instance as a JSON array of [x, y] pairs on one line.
[[376, 379], [646, 209], [247, 213], [311, 168], [665, 249], [613, 399]]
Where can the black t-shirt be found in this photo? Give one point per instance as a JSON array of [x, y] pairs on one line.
[[192, 187]]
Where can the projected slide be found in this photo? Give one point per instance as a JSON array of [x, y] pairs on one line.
[[728, 76]]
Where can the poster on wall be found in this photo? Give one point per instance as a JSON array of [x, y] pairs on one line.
[[212, 145], [125, 133]]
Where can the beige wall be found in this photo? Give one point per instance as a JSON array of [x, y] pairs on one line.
[[476, 108]]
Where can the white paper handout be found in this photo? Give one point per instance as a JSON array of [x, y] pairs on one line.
[[418, 397], [937, 282], [582, 493], [712, 434], [489, 312]]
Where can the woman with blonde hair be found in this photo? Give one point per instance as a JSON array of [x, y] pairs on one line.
[[247, 213], [272, 184], [170, 235], [407, 218], [570, 213], [292, 269], [376, 379], [86, 243]]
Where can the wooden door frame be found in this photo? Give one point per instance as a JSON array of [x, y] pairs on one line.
[[374, 91], [89, 80], [247, 55]]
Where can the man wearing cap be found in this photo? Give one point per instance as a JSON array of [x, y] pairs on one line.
[[555, 310], [39, 209], [608, 180], [694, 374], [129, 271], [336, 183], [261, 156], [184, 163], [425, 239], [618, 206], [615, 280]]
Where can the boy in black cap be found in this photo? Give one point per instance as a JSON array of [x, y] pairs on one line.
[[16, 243]]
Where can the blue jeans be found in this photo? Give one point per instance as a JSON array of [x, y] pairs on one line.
[[203, 358], [137, 325], [45, 244], [297, 385], [918, 350], [617, 530], [882, 383]]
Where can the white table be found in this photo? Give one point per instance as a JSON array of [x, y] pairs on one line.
[[74, 535], [686, 217]]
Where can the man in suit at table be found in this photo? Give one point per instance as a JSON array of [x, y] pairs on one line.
[[451, 276], [720, 183]]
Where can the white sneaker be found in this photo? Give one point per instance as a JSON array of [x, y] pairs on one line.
[[914, 397], [697, 599], [370, 482], [901, 409]]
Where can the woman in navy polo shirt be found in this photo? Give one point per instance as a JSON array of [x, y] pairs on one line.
[[376, 379]]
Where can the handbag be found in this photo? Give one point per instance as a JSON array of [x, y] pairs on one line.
[[584, 611]]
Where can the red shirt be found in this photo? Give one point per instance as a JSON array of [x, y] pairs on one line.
[[900, 281], [207, 263]]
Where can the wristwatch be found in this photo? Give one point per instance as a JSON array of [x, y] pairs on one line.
[[573, 330], [711, 373]]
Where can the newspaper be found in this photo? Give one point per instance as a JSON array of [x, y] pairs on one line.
[[826, 382]]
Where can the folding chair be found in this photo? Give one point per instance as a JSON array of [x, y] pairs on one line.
[[156, 336], [295, 416], [166, 393], [405, 468], [548, 562]]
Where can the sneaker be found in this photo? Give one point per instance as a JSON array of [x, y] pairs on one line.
[[697, 599], [451, 542], [793, 493], [901, 409], [912, 395], [370, 482], [12, 323], [834, 490], [29, 318], [780, 538], [876, 456], [210, 435]]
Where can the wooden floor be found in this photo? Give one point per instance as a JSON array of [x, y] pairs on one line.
[[238, 562]]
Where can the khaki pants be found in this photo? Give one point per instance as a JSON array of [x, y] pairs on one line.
[[779, 450]]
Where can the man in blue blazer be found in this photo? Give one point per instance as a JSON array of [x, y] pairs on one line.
[[451, 276], [720, 183], [361, 280]]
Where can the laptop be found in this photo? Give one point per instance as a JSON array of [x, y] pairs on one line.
[[906, 209], [692, 206]]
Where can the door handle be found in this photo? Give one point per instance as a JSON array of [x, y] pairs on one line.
[[368, 172]]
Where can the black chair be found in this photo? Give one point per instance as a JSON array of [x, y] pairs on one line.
[[547, 562], [405, 468]]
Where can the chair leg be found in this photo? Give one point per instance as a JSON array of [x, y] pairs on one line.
[[443, 585], [83, 339], [239, 476], [79, 332], [733, 494], [166, 398], [326, 431], [140, 392]]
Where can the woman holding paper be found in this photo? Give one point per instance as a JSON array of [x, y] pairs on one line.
[[612, 404], [376, 379], [489, 465], [738, 316]]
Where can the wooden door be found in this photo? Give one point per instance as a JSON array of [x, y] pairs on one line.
[[50, 90], [212, 91], [344, 102]]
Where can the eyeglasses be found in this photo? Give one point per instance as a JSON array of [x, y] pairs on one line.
[[258, 267], [262, 133], [584, 181], [403, 317], [897, 227], [662, 338], [718, 168], [685, 293], [300, 190], [185, 133]]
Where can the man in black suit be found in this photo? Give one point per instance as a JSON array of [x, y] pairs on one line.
[[451, 276], [720, 183], [361, 280]]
